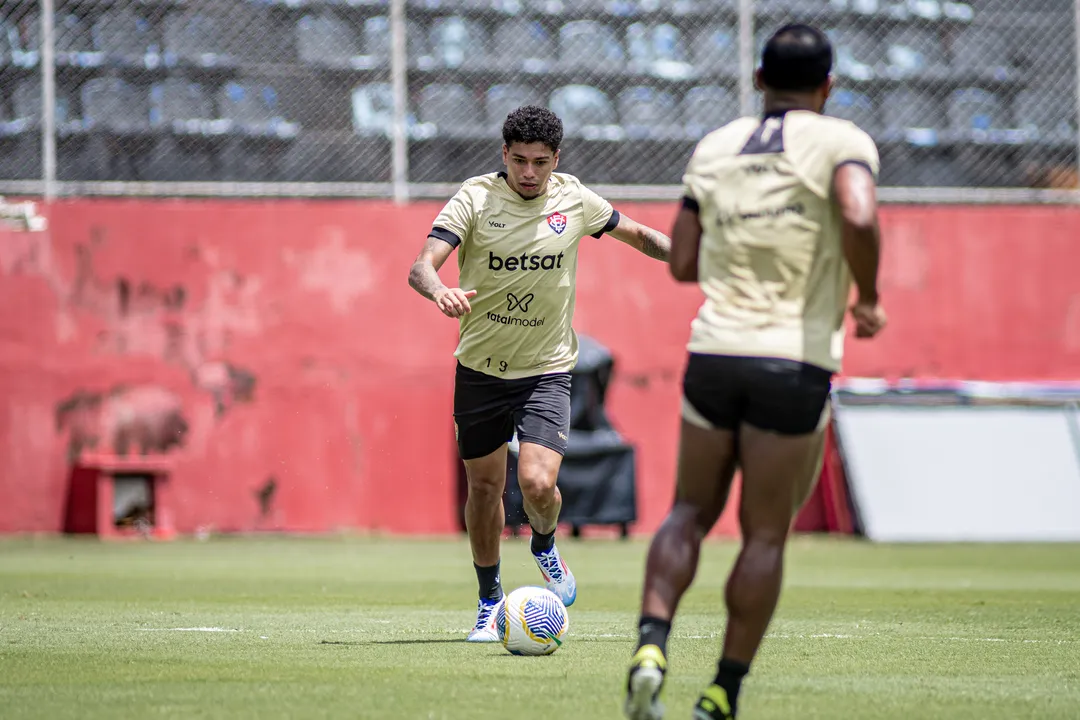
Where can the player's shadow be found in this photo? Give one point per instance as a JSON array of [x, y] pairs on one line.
[[393, 642]]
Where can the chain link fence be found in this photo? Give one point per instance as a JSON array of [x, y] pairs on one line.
[[979, 94]]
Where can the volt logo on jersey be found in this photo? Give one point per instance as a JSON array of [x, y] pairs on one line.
[[513, 301], [557, 222]]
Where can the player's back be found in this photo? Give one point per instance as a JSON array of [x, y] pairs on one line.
[[771, 262]]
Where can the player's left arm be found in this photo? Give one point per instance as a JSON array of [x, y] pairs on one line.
[[686, 242], [642, 238]]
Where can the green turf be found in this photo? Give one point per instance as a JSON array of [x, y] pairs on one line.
[[349, 628]]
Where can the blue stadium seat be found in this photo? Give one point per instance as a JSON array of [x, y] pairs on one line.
[[857, 107], [858, 53], [196, 39], [123, 36], [373, 110], [657, 50], [716, 50], [75, 43], [451, 108], [706, 108], [586, 111], [1046, 114], [376, 40], [115, 105], [524, 44], [648, 114], [913, 115], [983, 51], [976, 114], [326, 40], [458, 42], [590, 46], [254, 110], [184, 107], [501, 100], [912, 52]]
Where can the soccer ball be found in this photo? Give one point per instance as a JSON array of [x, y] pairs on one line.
[[532, 621]]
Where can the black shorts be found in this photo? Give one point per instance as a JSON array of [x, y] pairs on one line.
[[488, 410], [782, 396]]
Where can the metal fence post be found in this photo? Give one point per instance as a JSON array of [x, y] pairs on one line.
[[48, 99], [746, 57], [1076, 38], [399, 83]]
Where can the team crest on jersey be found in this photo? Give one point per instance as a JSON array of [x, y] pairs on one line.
[[557, 222]]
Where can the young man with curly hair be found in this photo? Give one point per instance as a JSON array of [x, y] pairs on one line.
[[517, 232]]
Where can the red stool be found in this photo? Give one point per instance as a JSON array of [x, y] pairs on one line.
[[91, 495]]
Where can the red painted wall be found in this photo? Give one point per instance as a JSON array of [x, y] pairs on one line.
[[283, 337]]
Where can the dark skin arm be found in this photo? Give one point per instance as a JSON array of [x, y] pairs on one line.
[[643, 239], [856, 195], [685, 244], [424, 279]]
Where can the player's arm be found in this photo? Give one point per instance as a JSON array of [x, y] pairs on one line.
[[856, 194], [424, 279], [685, 242], [643, 239]]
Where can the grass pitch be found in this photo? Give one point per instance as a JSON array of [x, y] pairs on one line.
[[351, 628]]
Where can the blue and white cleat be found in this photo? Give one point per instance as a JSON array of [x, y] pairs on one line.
[[558, 577], [484, 631]]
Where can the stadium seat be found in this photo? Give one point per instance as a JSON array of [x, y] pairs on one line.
[[254, 110], [115, 105], [585, 110], [26, 106], [657, 50], [501, 100], [1046, 114], [716, 51], [706, 108], [373, 110], [912, 115], [524, 44], [854, 106], [74, 42], [457, 42], [376, 40], [196, 39], [123, 36], [19, 40], [590, 46], [984, 52], [858, 53], [185, 108], [914, 52], [326, 40], [974, 113], [648, 114], [451, 109]]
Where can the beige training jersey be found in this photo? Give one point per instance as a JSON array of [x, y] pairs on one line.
[[771, 263], [521, 258]]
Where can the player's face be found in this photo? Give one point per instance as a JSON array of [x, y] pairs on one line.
[[528, 167]]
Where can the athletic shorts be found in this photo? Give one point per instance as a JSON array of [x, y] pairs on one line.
[[783, 396], [489, 410]]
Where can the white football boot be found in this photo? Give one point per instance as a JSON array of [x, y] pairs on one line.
[[557, 576], [484, 631]]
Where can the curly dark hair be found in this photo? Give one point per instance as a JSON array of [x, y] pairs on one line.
[[531, 124]]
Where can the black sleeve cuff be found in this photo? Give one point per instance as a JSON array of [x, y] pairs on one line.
[[445, 235], [860, 163], [691, 204], [612, 223]]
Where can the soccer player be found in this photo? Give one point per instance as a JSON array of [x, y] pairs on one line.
[[517, 235], [779, 215]]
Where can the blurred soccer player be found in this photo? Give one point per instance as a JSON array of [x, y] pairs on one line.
[[518, 233], [779, 215]]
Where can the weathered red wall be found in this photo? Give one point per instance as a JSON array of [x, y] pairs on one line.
[[283, 334]]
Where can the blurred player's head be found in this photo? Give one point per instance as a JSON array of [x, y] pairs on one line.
[[531, 139], [796, 67]]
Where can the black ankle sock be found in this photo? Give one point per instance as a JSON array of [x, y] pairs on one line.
[[729, 675], [653, 631], [542, 542], [490, 583]]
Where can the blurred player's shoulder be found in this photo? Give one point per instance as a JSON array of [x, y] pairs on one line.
[[825, 127], [728, 139]]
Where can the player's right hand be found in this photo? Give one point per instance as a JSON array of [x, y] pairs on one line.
[[869, 318], [454, 302]]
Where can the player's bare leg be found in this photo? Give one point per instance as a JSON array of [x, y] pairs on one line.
[[538, 471], [707, 461], [484, 520], [775, 469]]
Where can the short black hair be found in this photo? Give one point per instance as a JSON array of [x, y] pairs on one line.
[[530, 124], [797, 58]]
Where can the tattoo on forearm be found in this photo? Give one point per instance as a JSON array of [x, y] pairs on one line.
[[424, 279], [654, 244]]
